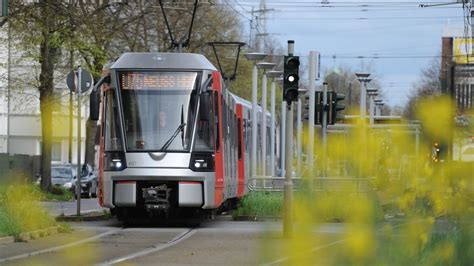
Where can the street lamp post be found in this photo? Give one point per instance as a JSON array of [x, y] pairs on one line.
[[364, 80], [378, 105], [282, 133], [372, 92], [254, 57], [273, 75], [263, 126]]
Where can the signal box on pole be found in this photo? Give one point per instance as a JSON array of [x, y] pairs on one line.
[[332, 109], [335, 107], [291, 78]]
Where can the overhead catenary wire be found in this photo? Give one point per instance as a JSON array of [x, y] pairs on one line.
[[363, 18], [237, 11]]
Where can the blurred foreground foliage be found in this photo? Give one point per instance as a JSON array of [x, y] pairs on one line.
[[402, 201], [20, 210]]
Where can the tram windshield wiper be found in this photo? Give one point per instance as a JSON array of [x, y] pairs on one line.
[[180, 128], [170, 140]]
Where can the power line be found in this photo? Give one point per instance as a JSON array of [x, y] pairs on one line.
[[241, 6], [365, 18], [236, 11], [385, 56]]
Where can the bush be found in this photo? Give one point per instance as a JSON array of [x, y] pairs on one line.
[[20, 210]]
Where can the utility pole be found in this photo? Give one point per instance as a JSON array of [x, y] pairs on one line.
[[312, 101], [71, 104], [78, 177], [261, 24], [251, 29], [9, 88]]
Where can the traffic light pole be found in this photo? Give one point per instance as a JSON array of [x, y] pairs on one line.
[[299, 133], [288, 186], [282, 139]]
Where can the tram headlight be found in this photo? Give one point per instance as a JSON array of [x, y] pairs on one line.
[[199, 163], [202, 162], [114, 161]]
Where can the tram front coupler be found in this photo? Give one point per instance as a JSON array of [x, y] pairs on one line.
[[157, 198]]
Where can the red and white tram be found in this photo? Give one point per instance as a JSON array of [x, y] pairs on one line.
[[172, 137]]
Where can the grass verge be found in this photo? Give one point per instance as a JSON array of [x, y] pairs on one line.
[[325, 207], [20, 210], [56, 194], [260, 204]]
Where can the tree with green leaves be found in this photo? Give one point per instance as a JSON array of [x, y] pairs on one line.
[[97, 33]]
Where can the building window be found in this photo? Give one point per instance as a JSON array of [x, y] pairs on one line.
[[56, 151]]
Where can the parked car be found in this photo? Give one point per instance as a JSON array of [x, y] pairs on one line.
[[65, 175], [89, 181], [62, 175]]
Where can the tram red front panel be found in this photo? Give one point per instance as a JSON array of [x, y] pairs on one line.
[[101, 148], [219, 162], [240, 162]]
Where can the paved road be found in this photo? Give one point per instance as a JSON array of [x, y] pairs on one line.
[[221, 242], [70, 207]]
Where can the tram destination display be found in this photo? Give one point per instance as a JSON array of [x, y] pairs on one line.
[[157, 80]]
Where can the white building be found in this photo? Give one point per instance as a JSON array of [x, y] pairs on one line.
[[20, 118]]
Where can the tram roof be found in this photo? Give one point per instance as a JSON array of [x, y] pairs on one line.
[[162, 61]]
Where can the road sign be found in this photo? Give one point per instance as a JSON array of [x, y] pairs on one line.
[[86, 81]]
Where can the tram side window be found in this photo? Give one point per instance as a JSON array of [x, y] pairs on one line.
[[239, 138], [246, 134], [205, 134], [216, 120], [113, 140]]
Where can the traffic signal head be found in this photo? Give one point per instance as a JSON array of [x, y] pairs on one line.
[[335, 106], [291, 78]]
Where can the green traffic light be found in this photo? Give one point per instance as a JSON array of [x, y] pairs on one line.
[[291, 74]]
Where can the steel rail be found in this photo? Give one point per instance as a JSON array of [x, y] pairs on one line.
[[178, 239], [53, 249]]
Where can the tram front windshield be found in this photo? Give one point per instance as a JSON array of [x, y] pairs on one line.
[[159, 109]]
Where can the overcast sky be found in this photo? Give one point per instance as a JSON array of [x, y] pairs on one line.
[[396, 38]]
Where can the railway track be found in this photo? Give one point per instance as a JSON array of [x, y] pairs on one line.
[[179, 238], [107, 248]]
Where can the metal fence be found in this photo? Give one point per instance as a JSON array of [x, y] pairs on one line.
[[316, 184]]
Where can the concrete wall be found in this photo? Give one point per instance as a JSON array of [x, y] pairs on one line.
[[19, 166]]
